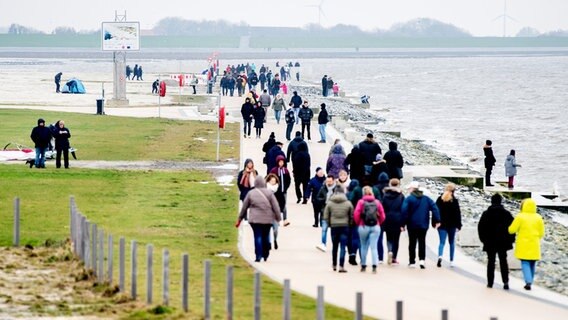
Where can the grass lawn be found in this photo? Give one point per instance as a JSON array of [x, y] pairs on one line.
[[173, 210], [122, 138]]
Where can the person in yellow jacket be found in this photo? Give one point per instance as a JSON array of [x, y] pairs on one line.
[[529, 228]]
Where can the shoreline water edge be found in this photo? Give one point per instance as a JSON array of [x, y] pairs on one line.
[[552, 268]]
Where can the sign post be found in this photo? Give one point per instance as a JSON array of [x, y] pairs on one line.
[[221, 116]]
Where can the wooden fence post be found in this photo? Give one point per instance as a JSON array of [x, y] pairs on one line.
[[134, 271], [320, 304], [359, 306], [149, 273], [82, 238], [79, 235], [166, 277], [87, 244], [101, 257], [110, 259], [121, 264], [399, 310], [229, 302], [207, 288], [94, 247], [185, 282], [72, 232], [16, 240], [257, 293], [287, 300]]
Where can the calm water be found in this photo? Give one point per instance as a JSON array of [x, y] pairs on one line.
[[453, 104]]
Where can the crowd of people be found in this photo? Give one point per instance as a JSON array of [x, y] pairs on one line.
[[358, 198], [246, 77], [42, 137], [134, 73]]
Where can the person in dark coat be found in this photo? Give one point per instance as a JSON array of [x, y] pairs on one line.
[[354, 194], [272, 154], [336, 161], [246, 178], [392, 203], [306, 114], [128, 72], [275, 85], [284, 183], [259, 115], [41, 136], [323, 119], [301, 161], [155, 86], [293, 145], [58, 82], [296, 104], [493, 233], [394, 161], [450, 222], [139, 75], [324, 86], [489, 162], [379, 166], [355, 163], [271, 142], [247, 111], [369, 149], [61, 135], [314, 186], [135, 72]]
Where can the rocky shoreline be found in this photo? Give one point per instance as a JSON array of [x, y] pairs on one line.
[[551, 271]]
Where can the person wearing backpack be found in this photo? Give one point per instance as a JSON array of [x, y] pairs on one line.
[[416, 210], [338, 213], [369, 215], [290, 119]]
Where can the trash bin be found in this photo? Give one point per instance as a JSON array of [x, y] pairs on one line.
[[100, 106]]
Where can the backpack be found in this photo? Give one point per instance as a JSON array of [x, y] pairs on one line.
[[370, 213], [290, 118]]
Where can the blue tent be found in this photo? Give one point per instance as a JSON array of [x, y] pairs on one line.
[[73, 86]]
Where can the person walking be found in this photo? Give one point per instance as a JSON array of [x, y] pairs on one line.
[[276, 85], [293, 145], [271, 142], [247, 110], [139, 75], [290, 121], [489, 161], [265, 101], [41, 136], [324, 194], [528, 227], [301, 162], [272, 183], [135, 72], [306, 114], [128, 72], [58, 82], [511, 168], [264, 210], [284, 183], [369, 215], [61, 135], [416, 210], [296, 104], [336, 161], [314, 186], [155, 86], [272, 154], [392, 204], [394, 160], [355, 162], [246, 179], [450, 221], [354, 194], [369, 150], [324, 86], [338, 214], [323, 119], [494, 234], [259, 116], [278, 105]]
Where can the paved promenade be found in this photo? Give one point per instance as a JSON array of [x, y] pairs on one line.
[[425, 293]]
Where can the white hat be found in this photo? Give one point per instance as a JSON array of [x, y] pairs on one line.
[[413, 185]]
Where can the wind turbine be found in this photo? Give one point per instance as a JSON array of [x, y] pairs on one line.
[[505, 16], [320, 10]]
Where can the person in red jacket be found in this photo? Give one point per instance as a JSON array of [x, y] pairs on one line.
[[369, 215]]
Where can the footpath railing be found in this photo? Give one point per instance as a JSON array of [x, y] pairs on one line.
[[88, 245]]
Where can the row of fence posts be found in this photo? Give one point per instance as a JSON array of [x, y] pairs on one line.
[[88, 245]]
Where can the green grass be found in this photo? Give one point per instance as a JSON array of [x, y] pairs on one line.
[[171, 210], [122, 138]]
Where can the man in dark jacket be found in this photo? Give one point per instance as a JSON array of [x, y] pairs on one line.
[[302, 162], [306, 114], [323, 197], [290, 119], [271, 142], [323, 119], [273, 153], [58, 82], [394, 161], [493, 233], [314, 186], [61, 135], [489, 162], [41, 136], [416, 210], [296, 104], [324, 86], [369, 149], [293, 145], [247, 110]]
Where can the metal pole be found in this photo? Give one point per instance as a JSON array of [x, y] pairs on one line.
[[100, 269], [229, 292], [287, 300], [110, 258], [16, 241], [185, 282], [207, 287], [159, 96], [320, 304], [166, 277], [218, 127], [359, 306], [149, 273], [399, 310], [445, 314], [121, 263], [134, 271], [256, 295]]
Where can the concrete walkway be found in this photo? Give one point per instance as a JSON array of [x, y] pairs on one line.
[[461, 290]]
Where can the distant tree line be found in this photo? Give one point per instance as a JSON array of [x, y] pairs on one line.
[[20, 29]]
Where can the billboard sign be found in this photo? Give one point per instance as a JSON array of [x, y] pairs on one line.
[[120, 36]]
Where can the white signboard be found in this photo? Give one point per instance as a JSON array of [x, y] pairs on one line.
[[120, 36]]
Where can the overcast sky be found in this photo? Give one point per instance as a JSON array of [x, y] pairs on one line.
[[476, 16]]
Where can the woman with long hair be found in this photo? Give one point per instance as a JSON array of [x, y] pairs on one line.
[[450, 216]]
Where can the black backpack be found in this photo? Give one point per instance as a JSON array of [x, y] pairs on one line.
[[370, 213]]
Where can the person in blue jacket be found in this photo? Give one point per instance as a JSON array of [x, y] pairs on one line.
[[416, 210], [314, 186], [41, 136]]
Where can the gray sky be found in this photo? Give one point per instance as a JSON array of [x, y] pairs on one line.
[[475, 16]]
